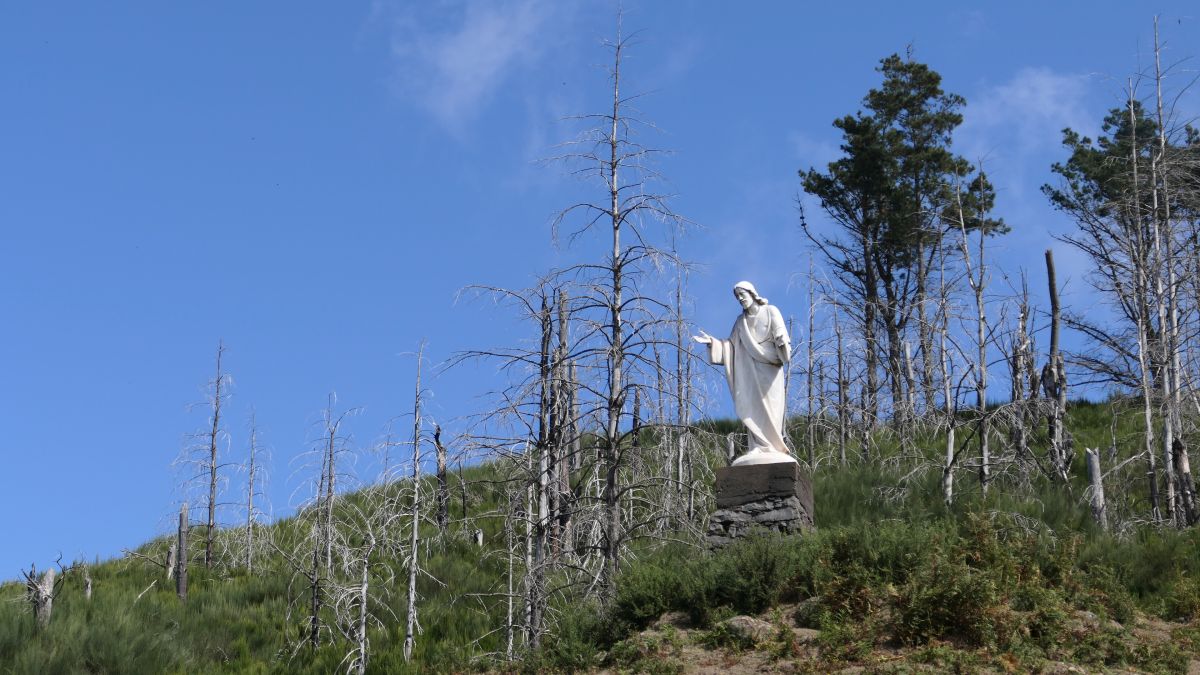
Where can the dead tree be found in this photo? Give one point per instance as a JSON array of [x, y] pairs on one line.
[[443, 486], [254, 488], [202, 459], [1020, 374], [181, 553], [333, 446], [981, 339], [40, 591], [1096, 479], [359, 600], [214, 433], [1054, 384], [410, 622], [622, 315]]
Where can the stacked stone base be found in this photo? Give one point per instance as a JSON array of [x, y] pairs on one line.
[[763, 498]]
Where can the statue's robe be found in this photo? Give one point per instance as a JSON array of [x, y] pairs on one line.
[[754, 369]]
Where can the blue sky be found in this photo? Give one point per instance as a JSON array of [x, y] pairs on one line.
[[313, 183]]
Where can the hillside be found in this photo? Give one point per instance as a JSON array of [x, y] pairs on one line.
[[891, 581]]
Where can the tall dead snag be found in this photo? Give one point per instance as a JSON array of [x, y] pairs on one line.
[[1020, 371], [810, 437], [333, 446], [537, 581], [214, 434], [181, 553], [202, 458], [254, 478], [949, 399], [843, 392], [1054, 384], [973, 205], [1166, 202], [443, 485], [624, 319], [410, 621], [564, 429]]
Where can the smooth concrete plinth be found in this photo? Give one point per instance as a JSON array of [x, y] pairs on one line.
[[774, 497]]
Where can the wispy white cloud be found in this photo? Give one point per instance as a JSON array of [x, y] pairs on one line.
[[451, 58], [1015, 130], [1027, 113]]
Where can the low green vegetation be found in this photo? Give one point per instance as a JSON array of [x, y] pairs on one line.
[[980, 588], [1009, 581]]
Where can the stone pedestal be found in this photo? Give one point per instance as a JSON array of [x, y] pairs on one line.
[[773, 497]]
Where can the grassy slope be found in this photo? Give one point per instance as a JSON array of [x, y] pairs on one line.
[[884, 569]]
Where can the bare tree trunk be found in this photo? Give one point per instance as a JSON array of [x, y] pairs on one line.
[[360, 628], [1054, 382], [843, 392], [810, 436], [443, 489], [1181, 509], [951, 405], [870, 410], [981, 383], [981, 330], [910, 401], [410, 622], [537, 569], [509, 632], [314, 600], [1019, 367], [566, 435], [682, 388], [1143, 325], [615, 394], [250, 495], [181, 554], [1096, 478], [1187, 489], [925, 335], [40, 592], [213, 437]]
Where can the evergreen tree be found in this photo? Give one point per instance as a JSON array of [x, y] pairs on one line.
[[889, 194]]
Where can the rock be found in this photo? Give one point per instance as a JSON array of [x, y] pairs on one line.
[[674, 619], [807, 614], [806, 634], [750, 629]]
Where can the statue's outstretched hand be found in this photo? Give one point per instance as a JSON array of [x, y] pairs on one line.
[[703, 338]]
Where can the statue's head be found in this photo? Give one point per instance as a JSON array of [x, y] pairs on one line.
[[746, 294]]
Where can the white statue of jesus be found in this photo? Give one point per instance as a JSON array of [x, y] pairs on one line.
[[755, 357]]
